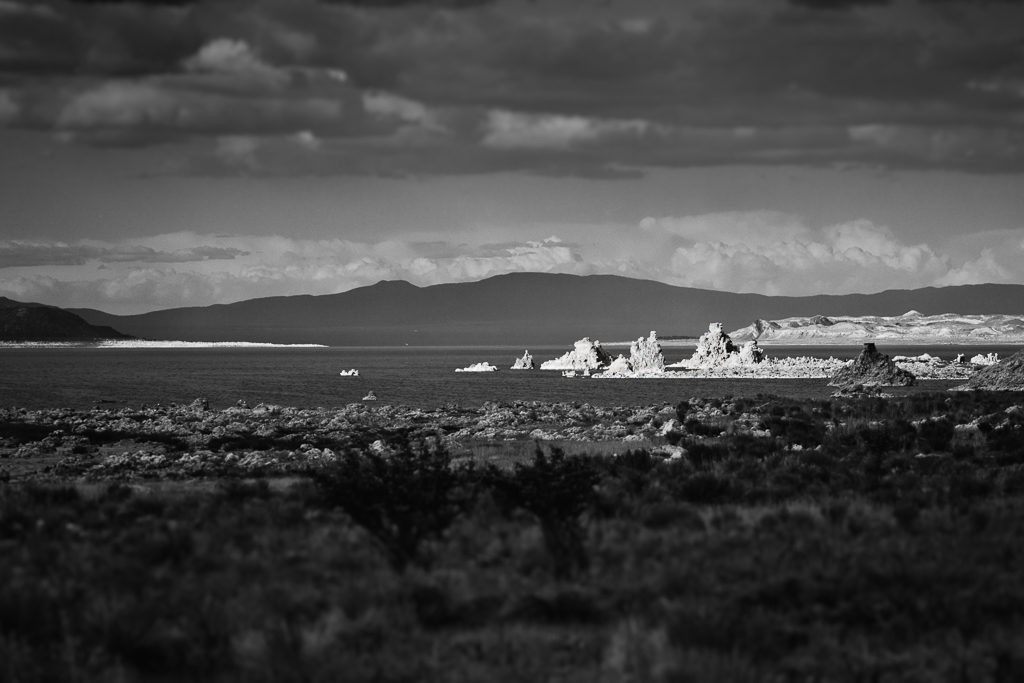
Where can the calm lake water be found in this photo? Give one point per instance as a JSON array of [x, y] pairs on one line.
[[417, 376]]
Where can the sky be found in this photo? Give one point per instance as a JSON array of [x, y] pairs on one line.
[[191, 152]]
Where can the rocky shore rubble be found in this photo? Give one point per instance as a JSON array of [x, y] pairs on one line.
[[175, 442], [193, 441]]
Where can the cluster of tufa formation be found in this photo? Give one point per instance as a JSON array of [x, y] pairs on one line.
[[585, 355], [872, 368], [1005, 375], [715, 348], [645, 354], [524, 363], [645, 358]]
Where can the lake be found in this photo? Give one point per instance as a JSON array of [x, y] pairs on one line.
[[80, 377]]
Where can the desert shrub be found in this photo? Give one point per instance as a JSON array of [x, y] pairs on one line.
[[625, 478], [1007, 439], [556, 490], [116, 492], [969, 486], [402, 499], [796, 428], [746, 446], [698, 428], [252, 442], [1012, 481], [566, 606], [881, 437], [237, 490], [47, 495], [665, 514], [703, 455], [105, 436], [705, 487], [673, 438], [24, 432], [639, 461], [935, 435]]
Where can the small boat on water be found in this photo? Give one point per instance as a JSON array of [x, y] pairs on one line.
[[370, 396], [568, 373], [349, 373]]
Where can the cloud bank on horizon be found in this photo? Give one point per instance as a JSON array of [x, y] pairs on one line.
[[583, 94], [766, 252]]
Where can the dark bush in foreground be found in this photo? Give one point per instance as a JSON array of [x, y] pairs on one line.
[[403, 498], [557, 489]]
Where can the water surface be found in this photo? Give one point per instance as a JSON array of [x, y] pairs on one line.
[[421, 376]]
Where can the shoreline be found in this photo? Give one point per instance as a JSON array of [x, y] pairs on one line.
[[193, 440]]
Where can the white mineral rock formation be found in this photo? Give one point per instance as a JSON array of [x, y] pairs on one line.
[[715, 349], [585, 355], [349, 373], [645, 355], [619, 366], [749, 354], [645, 360], [986, 359], [478, 367], [524, 363]]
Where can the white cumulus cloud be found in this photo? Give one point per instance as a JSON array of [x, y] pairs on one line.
[[776, 253], [765, 252], [511, 130]]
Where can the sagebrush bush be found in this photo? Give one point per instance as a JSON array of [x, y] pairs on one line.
[[402, 498], [556, 489]]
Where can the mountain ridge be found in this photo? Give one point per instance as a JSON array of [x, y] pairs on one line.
[[526, 308], [31, 322]]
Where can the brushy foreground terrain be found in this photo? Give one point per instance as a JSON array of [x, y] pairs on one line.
[[857, 539]]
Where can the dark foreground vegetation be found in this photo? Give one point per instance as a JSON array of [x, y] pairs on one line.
[[865, 539]]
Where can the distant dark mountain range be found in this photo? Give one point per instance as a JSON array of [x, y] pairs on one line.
[[20, 322], [523, 309]]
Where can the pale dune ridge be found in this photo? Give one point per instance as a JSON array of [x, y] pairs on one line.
[[910, 328]]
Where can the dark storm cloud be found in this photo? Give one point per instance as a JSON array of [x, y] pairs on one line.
[[435, 86], [151, 3], [837, 4], [23, 253], [385, 4], [109, 39]]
